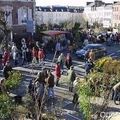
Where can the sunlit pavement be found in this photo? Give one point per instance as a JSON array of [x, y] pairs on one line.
[[69, 113]]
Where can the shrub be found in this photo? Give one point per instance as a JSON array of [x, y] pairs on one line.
[[99, 64], [14, 80], [99, 83], [5, 107]]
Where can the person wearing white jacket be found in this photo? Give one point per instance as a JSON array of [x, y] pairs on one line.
[[14, 51], [75, 96]]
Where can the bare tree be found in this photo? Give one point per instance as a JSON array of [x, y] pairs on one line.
[[4, 27]]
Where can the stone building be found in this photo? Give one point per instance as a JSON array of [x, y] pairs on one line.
[[116, 15], [58, 14], [99, 12], [17, 13]]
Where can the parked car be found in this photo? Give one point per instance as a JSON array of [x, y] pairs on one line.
[[98, 49]]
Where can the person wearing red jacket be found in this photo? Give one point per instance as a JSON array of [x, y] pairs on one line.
[[6, 57], [34, 55], [41, 56], [57, 73]]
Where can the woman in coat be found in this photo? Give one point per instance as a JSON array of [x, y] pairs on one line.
[[6, 57], [41, 55], [68, 61], [57, 72]]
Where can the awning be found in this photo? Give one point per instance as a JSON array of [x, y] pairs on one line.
[[53, 33]]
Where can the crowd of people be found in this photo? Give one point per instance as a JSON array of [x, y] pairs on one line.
[[47, 79]]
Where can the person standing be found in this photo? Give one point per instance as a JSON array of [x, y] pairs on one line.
[[28, 55], [57, 73], [91, 55], [58, 47], [75, 90], [41, 56], [24, 49], [34, 55], [6, 56], [14, 54], [88, 66], [116, 93], [86, 42], [68, 61], [61, 60], [7, 68], [71, 78]]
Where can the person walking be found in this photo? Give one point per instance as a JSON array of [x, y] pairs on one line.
[[68, 61], [40, 89], [71, 78], [57, 73], [50, 84]]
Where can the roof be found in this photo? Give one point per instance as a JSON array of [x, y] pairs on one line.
[[60, 9], [117, 3], [44, 9]]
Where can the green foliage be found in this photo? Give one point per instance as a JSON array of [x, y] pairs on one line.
[[118, 27], [84, 92], [76, 26], [14, 80], [100, 63], [98, 84], [6, 104], [5, 107]]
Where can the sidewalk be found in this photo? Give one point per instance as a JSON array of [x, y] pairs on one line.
[[64, 92]]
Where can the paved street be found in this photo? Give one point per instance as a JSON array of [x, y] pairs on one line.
[[69, 112], [29, 72], [38, 29], [114, 51]]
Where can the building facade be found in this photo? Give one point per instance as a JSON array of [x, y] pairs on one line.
[[99, 12], [116, 15], [58, 14], [17, 13]]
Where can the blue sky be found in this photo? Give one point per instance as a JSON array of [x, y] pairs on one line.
[[65, 2]]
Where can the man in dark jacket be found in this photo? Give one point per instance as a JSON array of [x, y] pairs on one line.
[[7, 68], [50, 83], [88, 66]]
